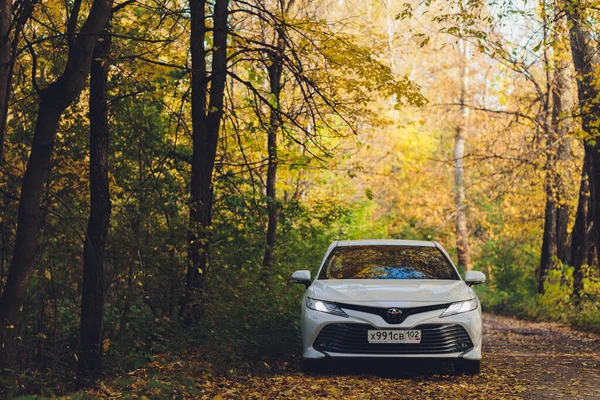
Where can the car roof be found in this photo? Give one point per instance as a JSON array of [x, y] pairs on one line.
[[386, 242]]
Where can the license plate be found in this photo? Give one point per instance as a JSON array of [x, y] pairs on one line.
[[390, 336]]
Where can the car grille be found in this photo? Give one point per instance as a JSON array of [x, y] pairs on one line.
[[352, 338], [393, 319]]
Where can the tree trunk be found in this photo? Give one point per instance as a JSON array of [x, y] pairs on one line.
[[29, 217], [462, 233], [9, 46], [585, 60], [272, 206], [391, 31], [92, 297], [562, 227], [5, 67], [580, 236], [554, 244], [205, 134], [562, 123], [275, 73], [548, 252], [54, 99], [198, 208], [549, 240]]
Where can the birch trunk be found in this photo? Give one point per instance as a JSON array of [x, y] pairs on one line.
[[462, 232]]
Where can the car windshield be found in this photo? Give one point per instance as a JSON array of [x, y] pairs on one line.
[[387, 262]]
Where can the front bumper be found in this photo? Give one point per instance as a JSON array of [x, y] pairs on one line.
[[313, 323]]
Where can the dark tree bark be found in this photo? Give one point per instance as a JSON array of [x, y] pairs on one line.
[[549, 248], [6, 14], [92, 296], [10, 32], [272, 205], [199, 212], [206, 122], [275, 70], [11, 25], [548, 252], [54, 99], [580, 234], [585, 59], [592, 249], [562, 231]]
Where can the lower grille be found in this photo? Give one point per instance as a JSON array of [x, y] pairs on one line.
[[352, 338]]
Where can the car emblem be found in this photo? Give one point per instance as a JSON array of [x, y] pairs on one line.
[[394, 312]]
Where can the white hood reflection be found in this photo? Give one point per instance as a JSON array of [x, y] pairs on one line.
[[390, 290]]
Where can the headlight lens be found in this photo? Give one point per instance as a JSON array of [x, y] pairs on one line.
[[460, 307], [325, 306]]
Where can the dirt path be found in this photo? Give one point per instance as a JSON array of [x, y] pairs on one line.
[[555, 361], [521, 360]]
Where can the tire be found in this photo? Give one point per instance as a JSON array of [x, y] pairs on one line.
[[309, 366], [468, 367]]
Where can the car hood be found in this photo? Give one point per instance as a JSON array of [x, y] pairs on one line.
[[390, 290]]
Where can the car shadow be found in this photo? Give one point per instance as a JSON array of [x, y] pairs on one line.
[[385, 367]]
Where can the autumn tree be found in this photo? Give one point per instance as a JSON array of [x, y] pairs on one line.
[[462, 233], [585, 60], [92, 297], [11, 26], [53, 100], [274, 65], [580, 233], [6, 15], [557, 128], [206, 123], [297, 103]]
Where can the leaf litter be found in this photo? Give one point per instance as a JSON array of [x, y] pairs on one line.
[[521, 360]]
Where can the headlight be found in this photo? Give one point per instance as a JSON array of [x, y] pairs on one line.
[[325, 306], [460, 307]]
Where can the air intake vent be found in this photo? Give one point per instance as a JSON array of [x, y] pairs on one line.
[[352, 338]]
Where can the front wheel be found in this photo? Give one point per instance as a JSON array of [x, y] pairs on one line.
[[468, 367]]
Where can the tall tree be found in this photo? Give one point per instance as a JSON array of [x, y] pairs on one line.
[[580, 234], [462, 232], [11, 25], [206, 122], [6, 14], [562, 122], [275, 70], [92, 296], [556, 215], [286, 49], [585, 59], [53, 101]]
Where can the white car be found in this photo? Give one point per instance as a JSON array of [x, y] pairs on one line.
[[390, 298]]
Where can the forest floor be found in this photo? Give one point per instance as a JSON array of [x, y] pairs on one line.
[[521, 360]]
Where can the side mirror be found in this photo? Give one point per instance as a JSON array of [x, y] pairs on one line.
[[474, 277], [302, 277]]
